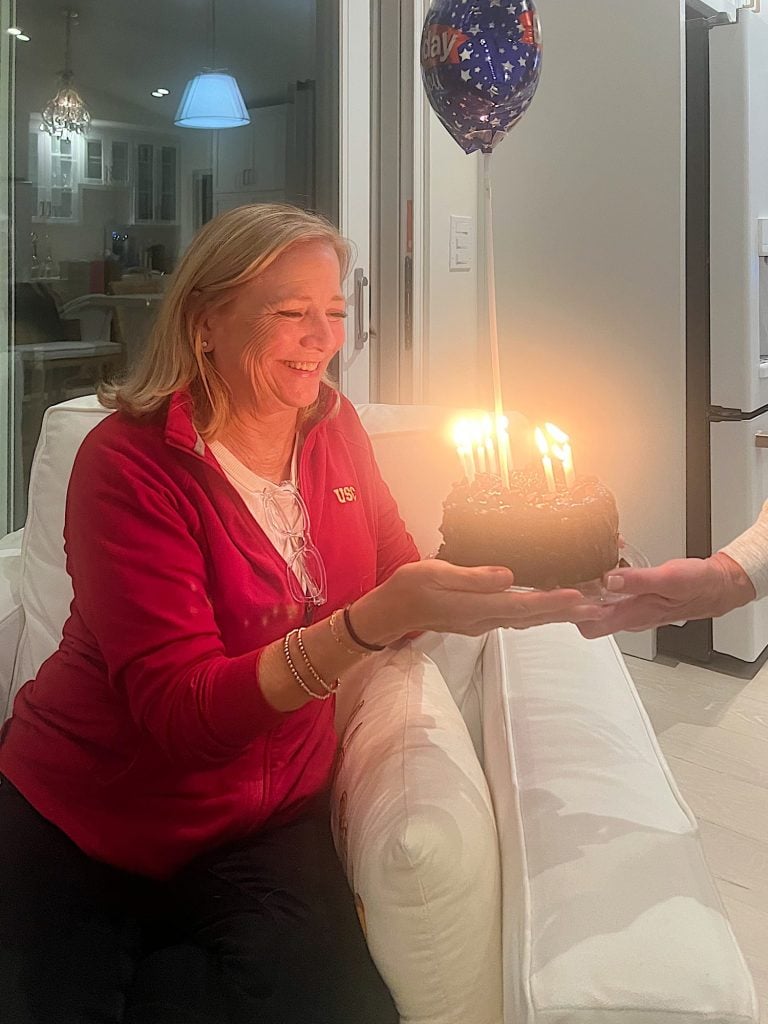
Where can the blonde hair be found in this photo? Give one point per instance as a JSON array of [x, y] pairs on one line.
[[227, 252]]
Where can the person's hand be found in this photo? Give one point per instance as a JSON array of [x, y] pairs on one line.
[[677, 591], [435, 595]]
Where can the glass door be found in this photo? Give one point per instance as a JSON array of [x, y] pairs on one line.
[[122, 201]]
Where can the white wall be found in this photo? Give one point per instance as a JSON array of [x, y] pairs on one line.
[[589, 223], [451, 342]]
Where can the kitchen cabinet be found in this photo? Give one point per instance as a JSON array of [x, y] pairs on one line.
[[106, 159], [156, 172], [54, 170], [251, 159], [110, 156]]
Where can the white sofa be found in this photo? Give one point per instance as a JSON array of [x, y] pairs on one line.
[[534, 844]]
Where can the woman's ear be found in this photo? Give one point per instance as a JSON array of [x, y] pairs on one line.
[[206, 327]]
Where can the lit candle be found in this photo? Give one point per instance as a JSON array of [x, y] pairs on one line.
[[505, 452], [479, 446], [561, 449], [462, 437], [490, 453], [546, 461]]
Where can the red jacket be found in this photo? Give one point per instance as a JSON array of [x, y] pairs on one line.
[[146, 737]]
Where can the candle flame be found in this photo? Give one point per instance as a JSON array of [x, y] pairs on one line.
[[541, 442], [462, 434], [558, 435]]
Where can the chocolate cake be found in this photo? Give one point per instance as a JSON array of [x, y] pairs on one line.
[[547, 539]]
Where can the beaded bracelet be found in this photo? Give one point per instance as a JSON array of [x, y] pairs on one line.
[[313, 671], [295, 672], [336, 634], [356, 639]]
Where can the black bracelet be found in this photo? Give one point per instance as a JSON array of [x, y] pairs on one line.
[[356, 639]]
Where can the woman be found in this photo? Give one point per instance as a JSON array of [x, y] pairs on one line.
[[164, 846]]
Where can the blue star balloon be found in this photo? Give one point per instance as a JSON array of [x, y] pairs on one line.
[[481, 63]]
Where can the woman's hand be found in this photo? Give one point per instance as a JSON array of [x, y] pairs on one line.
[[677, 591], [435, 595]]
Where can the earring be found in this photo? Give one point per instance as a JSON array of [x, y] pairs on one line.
[[205, 346]]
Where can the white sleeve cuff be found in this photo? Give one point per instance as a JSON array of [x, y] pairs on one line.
[[750, 550]]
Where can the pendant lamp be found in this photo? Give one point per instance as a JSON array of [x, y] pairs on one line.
[[212, 99], [66, 112]]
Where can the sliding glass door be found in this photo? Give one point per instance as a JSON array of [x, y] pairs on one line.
[[93, 222]]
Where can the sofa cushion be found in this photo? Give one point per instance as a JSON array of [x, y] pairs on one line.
[[415, 830], [610, 913]]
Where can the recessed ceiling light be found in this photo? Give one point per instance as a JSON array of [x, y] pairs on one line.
[[22, 38], [160, 92], [13, 31]]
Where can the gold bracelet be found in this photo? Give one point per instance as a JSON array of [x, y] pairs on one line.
[[313, 671], [333, 622], [295, 672]]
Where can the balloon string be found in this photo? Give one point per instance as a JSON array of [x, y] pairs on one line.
[[490, 273]]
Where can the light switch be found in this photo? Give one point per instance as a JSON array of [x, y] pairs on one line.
[[462, 243]]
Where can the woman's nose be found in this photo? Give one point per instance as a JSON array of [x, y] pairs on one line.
[[320, 331]]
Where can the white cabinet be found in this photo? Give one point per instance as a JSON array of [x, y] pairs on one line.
[[54, 170], [155, 177], [251, 160], [110, 156], [106, 159]]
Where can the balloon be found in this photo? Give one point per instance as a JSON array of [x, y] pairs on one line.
[[481, 63]]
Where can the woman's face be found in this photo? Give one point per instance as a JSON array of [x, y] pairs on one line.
[[274, 339]]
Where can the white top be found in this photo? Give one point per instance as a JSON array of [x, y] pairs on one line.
[[750, 550], [251, 487]]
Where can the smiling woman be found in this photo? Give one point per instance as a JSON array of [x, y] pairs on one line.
[[164, 778]]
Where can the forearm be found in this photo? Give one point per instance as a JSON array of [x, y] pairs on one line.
[[330, 653]]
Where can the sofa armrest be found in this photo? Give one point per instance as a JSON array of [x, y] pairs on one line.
[[414, 828], [609, 909], [11, 614]]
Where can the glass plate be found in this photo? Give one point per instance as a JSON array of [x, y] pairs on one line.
[[593, 590]]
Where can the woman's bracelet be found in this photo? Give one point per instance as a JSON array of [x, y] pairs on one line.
[[333, 687], [295, 672], [337, 635], [356, 639]]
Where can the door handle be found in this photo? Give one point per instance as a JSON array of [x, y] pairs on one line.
[[361, 283], [408, 296], [761, 440]]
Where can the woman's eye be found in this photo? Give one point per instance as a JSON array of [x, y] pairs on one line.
[[292, 314], [338, 314]]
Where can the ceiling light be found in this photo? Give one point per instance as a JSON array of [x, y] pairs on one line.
[[163, 92], [157, 93], [212, 99], [13, 31], [22, 38], [66, 112]]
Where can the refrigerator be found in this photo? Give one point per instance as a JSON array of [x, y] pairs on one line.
[[630, 222], [738, 299]]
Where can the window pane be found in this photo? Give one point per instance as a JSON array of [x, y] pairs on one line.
[[110, 212]]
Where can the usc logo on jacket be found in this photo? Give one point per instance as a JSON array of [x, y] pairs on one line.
[[345, 494]]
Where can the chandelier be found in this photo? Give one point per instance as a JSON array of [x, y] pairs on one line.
[[66, 112]]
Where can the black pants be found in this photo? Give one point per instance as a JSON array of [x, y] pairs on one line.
[[260, 933]]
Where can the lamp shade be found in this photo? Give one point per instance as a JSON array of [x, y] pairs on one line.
[[211, 100]]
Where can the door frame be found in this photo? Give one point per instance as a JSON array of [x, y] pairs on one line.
[[7, 368], [354, 22]]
